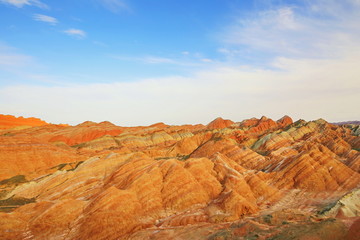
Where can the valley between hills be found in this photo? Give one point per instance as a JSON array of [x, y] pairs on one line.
[[253, 179]]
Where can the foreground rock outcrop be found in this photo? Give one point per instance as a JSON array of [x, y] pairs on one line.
[[254, 179]]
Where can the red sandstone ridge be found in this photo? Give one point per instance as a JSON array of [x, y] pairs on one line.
[[219, 123], [264, 124], [85, 132], [8, 121], [255, 179], [284, 121]]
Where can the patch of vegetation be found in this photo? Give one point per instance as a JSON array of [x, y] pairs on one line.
[[78, 164], [356, 149], [72, 165], [3, 193], [326, 229], [252, 236], [178, 157], [288, 127], [60, 144], [61, 166], [299, 123], [14, 180], [16, 201], [7, 209], [11, 203], [267, 218], [261, 153], [8, 134], [326, 208], [217, 138], [183, 157], [113, 148], [117, 141], [223, 234], [81, 145], [237, 225], [162, 158]]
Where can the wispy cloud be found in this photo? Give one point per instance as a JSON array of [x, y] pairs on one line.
[[115, 5], [207, 60], [11, 60], [45, 18], [99, 43], [147, 59], [157, 60], [182, 60], [15, 66], [9, 57], [44, 79], [75, 32], [22, 3], [317, 29]]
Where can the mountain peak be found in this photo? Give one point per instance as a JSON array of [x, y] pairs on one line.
[[219, 123]]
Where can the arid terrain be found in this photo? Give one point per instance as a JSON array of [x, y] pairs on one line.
[[254, 179]]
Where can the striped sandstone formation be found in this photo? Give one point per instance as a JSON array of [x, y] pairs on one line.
[[225, 180]]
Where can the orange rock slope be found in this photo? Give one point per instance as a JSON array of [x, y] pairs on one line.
[[254, 179], [8, 121]]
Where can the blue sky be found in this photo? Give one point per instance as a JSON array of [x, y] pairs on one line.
[[139, 62], [116, 38]]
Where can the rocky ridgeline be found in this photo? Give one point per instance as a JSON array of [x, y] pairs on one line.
[[258, 178]]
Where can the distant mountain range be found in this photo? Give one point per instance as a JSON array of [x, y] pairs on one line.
[[347, 122]]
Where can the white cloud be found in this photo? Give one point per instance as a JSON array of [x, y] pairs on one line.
[[22, 3], [305, 88], [76, 33], [320, 29], [45, 18], [115, 5]]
